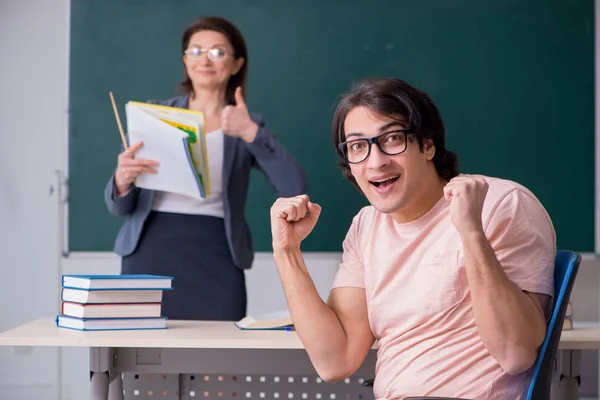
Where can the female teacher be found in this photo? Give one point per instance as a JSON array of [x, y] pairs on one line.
[[204, 244]]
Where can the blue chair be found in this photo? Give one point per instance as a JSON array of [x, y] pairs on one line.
[[566, 265]]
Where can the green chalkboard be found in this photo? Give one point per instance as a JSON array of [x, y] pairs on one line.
[[514, 80]]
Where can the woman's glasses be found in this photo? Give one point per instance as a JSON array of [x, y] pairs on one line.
[[213, 54]]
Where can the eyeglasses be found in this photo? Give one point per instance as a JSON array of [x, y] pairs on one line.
[[391, 143], [213, 54]]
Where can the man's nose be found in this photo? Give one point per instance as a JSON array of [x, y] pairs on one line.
[[377, 158]]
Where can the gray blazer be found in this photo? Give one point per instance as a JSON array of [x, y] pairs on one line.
[[265, 153]]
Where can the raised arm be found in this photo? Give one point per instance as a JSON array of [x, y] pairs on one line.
[[509, 268], [336, 335]]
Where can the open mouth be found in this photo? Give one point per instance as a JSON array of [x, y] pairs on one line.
[[385, 182]]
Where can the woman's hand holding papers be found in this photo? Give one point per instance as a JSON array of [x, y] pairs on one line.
[[129, 168]]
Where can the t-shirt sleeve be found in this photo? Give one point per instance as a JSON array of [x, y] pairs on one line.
[[351, 272], [523, 238]]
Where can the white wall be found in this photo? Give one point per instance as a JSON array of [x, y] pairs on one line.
[[33, 134], [33, 56]]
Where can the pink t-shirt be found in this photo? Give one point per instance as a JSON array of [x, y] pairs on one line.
[[418, 297]]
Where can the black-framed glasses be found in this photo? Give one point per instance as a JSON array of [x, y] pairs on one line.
[[391, 143], [213, 54]]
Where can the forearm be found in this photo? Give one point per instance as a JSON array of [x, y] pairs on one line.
[[508, 320], [318, 327], [119, 205]]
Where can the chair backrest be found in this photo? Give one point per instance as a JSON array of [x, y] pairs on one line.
[[566, 266]]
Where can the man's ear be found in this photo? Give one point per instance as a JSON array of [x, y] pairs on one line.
[[429, 149]]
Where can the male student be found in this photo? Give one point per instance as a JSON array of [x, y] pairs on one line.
[[451, 274]]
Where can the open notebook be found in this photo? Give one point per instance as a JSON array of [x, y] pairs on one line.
[[280, 320]]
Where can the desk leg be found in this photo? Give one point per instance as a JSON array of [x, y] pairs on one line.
[[105, 383], [185, 383], [565, 385], [115, 392], [99, 383]]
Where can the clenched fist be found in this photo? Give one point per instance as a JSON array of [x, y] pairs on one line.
[[292, 220], [466, 194]]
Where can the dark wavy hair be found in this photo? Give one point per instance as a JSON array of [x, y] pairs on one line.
[[393, 98], [236, 39]]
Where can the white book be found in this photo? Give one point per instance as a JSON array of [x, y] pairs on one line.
[[175, 138], [109, 324], [84, 296], [132, 281], [132, 310]]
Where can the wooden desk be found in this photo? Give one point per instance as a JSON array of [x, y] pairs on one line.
[[566, 382], [208, 334], [203, 347], [181, 334], [190, 347], [585, 336]]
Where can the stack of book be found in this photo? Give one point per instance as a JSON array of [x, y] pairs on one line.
[[112, 302]]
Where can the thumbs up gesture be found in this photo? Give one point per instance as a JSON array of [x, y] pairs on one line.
[[235, 120]]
